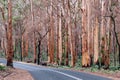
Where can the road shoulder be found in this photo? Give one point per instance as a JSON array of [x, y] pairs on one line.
[[15, 74]]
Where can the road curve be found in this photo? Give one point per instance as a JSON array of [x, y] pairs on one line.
[[44, 73]]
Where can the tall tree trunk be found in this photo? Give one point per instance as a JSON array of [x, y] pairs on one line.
[[96, 42], [66, 45], [85, 56], [32, 16], [52, 41], [66, 16], [73, 53], [51, 37], [71, 46], [88, 25], [76, 37], [70, 35], [57, 54], [103, 39], [9, 36], [60, 36]]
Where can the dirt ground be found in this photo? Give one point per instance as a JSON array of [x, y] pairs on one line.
[[15, 74]]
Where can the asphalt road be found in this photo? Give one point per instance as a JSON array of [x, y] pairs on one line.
[[44, 73]]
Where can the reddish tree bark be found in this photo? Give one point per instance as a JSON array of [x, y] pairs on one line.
[[51, 37], [26, 46], [85, 54], [96, 42], [9, 36]]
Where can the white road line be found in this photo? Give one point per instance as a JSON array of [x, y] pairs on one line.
[[76, 78]]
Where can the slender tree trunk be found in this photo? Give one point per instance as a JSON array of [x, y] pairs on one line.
[[57, 54], [66, 17], [76, 43], [9, 38], [49, 47], [35, 55], [60, 36], [73, 53], [4, 47], [26, 46], [52, 41], [32, 16], [71, 46], [119, 53], [39, 52], [88, 25], [0, 44], [20, 42], [114, 48], [96, 42], [23, 47], [66, 45]]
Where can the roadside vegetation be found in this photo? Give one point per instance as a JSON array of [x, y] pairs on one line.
[[2, 67]]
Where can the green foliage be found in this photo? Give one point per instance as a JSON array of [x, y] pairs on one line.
[[2, 68], [2, 54], [44, 56], [79, 62], [94, 68], [30, 55], [112, 68], [16, 56], [3, 3], [65, 67]]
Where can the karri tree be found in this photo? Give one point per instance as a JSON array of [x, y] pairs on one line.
[[9, 36]]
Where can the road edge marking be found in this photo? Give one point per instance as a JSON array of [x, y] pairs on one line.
[[76, 78]]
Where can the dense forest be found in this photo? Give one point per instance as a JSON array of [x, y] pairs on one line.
[[61, 32]]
